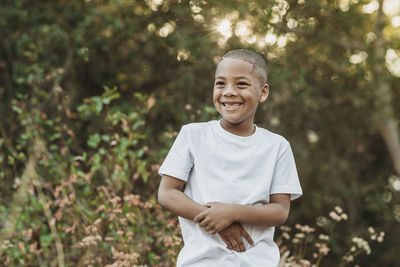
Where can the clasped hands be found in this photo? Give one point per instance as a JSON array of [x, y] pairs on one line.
[[218, 218]]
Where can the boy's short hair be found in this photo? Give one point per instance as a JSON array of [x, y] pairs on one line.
[[258, 62]]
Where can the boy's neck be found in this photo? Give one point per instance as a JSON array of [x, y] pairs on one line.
[[245, 129]]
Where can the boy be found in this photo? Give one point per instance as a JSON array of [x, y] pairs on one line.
[[239, 178]]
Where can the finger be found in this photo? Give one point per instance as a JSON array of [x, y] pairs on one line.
[[214, 231], [204, 223], [235, 245], [246, 236], [218, 228], [199, 217], [228, 243], [240, 244], [209, 228]]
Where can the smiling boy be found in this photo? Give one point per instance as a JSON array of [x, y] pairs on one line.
[[239, 178]]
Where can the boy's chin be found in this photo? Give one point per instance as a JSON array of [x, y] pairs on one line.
[[231, 121]]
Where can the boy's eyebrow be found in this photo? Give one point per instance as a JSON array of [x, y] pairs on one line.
[[242, 77], [236, 78]]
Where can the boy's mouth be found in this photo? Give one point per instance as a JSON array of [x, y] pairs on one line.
[[231, 106]]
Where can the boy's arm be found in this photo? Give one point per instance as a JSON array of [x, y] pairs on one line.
[[219, 215], [171, 197]]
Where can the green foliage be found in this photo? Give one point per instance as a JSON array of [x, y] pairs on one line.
[[92, 194], [330, 78]]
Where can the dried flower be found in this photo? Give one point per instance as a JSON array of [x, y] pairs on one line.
[[338, 209], [324, 249], [323, 237]]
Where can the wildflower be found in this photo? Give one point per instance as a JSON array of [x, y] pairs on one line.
[[324, 249], [380, 237], [117, 211], [91, 229], [335, 216], [348, 258], [307, 229], [27, 233], [168, 241], [130, 215], [133, 200], [72, 228], [21, 246], [6, 244], [33, 248], [300, 235], [109, 238], [177, 241], [100, 209], [361, 243], [321, 221], [89, 241], [149, 204], [171, 223], [338, 209], [295, 240], [305, 262], [323, 237], [171, 253], [115, 200], [286, 236]]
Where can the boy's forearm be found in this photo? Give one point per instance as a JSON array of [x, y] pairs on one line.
[[180, 204], [272, 214]]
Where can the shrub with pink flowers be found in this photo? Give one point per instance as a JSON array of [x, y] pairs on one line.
[[84, 203], [304, 245]]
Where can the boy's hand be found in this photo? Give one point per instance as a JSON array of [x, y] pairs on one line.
[[232, 236], [216, 217]]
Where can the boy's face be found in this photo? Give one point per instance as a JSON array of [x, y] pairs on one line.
[[237, 92]]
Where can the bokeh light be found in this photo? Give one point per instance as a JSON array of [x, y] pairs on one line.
[[224, 27], [370, 7]]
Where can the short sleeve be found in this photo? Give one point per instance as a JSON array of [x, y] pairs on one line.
[[179, 160], [285, 179]]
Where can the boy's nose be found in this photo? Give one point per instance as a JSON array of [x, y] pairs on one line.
[[230, 90]]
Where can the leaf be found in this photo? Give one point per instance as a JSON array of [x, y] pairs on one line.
[[94, 140]]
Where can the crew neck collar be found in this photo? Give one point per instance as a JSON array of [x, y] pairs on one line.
[[230, 135]]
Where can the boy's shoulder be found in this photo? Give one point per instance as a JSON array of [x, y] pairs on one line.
[[197, 126], [274, 137]]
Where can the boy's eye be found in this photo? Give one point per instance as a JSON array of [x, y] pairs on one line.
[[242, 84], [219, 83]]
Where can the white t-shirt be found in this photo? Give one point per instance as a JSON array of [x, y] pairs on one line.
[[219, 166]]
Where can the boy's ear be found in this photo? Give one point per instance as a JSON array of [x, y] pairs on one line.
[[264, 92]]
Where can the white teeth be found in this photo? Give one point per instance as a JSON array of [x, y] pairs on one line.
[[232, 105]]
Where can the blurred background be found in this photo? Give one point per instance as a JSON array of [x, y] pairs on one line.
[[94, 92]]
